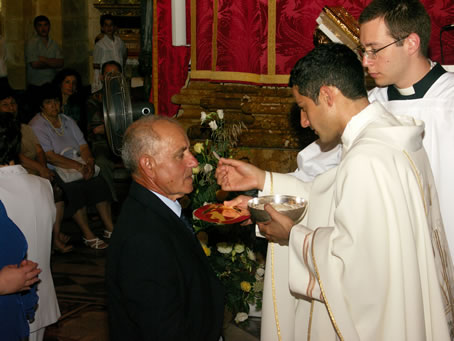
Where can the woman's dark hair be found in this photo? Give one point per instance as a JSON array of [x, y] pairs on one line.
[[48, 91], [62, 74], [10, 138], [6, 92]]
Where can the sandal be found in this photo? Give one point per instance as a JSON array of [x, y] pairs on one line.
[[107, 234], [95, 243]]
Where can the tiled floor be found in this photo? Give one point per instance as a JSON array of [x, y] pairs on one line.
[[79, 282]]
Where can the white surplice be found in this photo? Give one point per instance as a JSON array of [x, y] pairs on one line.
[[29, 202], [370, 260]]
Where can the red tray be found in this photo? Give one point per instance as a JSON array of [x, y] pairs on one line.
[[220, 214]]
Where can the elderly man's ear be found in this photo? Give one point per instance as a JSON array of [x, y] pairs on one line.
[[147, 165]]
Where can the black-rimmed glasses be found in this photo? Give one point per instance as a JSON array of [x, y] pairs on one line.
[[372, 53]]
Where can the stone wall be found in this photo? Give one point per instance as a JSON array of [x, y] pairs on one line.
[[272, 138]]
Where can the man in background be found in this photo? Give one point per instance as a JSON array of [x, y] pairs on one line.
[[159, 282], [109, 47], [43, 55], [96, 130], [43, 58]]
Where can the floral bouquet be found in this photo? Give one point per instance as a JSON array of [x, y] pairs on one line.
[[229, 248], [220, 144], [240, 272]]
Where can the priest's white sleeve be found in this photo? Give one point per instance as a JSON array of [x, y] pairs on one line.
[[312, 161]]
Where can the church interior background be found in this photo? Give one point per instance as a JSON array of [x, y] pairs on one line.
[[234, 55]]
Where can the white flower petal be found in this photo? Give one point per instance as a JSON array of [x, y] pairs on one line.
[[203, 116], [213, 125], [207, 168], [224, 248], [240, 317], [239, 248]]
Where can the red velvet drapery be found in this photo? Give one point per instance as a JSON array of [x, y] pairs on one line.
[[256, 41], [170, 63]]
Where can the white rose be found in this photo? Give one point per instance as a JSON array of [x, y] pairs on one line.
[[203, 117], [258, 286], [239, 248], [196, 170], [259, 273], [240, 317], [220, 113], [224, 248], [250, 254], [213, 125], [207, 168]]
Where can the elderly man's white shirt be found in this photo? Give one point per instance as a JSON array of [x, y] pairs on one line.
[[363, 258]]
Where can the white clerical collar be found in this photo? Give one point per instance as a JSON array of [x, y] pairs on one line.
[[358, 122], [407, 91], [173, 205], [411, 90]]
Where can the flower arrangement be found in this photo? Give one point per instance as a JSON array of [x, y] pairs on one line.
[[229, 248], [220, 144], [241, 274]]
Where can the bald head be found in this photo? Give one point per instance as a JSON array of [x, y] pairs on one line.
[[143, 137]]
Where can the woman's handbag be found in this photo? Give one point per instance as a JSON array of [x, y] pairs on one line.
[[70, 175]]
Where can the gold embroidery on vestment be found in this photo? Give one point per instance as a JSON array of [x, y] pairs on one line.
[[330, 312], [273, 288]]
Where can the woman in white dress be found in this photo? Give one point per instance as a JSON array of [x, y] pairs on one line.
[[29, 201]]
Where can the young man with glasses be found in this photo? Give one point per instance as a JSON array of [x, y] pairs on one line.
[[394, 37], [411, 84]]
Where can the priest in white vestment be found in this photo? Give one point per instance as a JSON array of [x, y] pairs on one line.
[[408, 84], [369, 260]]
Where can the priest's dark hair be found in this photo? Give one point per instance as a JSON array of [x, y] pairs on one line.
[[402, 17], [10, 138], [329, 65]]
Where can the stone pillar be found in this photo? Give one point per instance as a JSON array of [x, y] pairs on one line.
[[75, 43]]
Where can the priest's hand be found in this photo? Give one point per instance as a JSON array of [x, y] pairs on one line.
[[277, 230], [235, 175]]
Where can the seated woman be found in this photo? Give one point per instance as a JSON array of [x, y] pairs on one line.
[[29, 203], [56, 133], [33, 159], [68, 81]]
